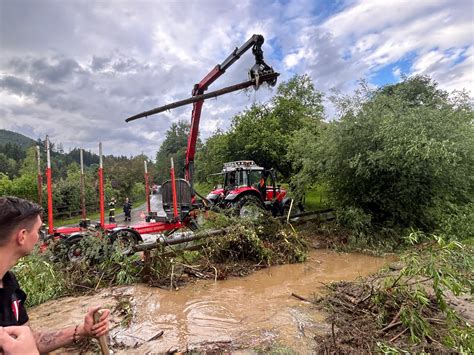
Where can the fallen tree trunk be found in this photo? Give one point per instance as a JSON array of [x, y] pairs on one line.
[[179, 238]]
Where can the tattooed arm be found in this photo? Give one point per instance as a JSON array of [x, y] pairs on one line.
[[47, 341]]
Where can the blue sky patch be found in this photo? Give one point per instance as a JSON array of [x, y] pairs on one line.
[[386, 75]]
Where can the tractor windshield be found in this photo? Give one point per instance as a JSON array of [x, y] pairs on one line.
[[254, 177], [242, 177]]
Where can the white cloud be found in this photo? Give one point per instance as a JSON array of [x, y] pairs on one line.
[[368, 35], [442, 67], [397, 73]]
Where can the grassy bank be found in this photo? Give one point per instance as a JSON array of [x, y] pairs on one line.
[[316, 198]]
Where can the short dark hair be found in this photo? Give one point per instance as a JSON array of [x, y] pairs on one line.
[[16, 212]]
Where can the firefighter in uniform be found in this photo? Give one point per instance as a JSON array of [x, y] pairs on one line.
[[112, 203]]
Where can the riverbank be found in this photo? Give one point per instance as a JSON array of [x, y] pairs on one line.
[[422, 304]]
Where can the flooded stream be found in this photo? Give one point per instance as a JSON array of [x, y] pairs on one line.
[[241, 313]]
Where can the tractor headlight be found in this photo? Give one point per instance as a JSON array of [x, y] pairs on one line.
[[231, 197]]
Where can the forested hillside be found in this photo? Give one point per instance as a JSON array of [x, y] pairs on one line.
[[15, 138]]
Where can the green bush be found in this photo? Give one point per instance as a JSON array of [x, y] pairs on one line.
[[39, 278], [402, 155]]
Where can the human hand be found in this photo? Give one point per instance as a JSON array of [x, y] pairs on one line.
[[17, 340], [89, 329]]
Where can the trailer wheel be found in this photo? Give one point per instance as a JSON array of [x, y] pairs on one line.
[[75, 252], [125, 240], [249, 207]]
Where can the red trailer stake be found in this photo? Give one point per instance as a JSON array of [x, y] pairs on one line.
[[173, 183], [101, 188], [50, 189], [147, 190]]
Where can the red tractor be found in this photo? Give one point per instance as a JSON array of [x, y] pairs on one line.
[[247, 186]]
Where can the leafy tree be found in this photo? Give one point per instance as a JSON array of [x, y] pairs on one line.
[[123, 173], [29, 165], [138, 191], [8, 166], [13, 151], [296, 102], [25, 186], [300, 152], [212, 155], [5, 185], [404, 157], [88, 157], [255, 135]]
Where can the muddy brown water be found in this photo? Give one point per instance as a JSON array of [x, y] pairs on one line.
[[242, 313]]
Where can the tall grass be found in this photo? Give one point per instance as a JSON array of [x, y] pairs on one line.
[[316, 198]]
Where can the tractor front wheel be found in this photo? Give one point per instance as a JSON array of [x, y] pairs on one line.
[[249, 207]]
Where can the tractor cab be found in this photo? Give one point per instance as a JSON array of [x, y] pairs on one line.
[[245, 182], [241, 173]]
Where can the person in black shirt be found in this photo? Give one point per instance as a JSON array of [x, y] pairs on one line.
[[12, 302], [127, 210], [20, 222]]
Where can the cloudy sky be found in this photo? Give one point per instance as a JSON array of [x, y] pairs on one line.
[[75, 69]]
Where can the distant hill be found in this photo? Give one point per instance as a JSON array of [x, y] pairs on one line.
[[15, 138]]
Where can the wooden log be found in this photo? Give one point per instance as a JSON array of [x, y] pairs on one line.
[[163, 241], [196, 98], [102, 339]]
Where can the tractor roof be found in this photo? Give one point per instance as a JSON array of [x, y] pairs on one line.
[[241, 165]]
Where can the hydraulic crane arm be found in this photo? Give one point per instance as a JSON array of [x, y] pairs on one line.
[[259, 73], [260, 68], [255, 42]]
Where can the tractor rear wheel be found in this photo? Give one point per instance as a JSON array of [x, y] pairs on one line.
[[249, 207]]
